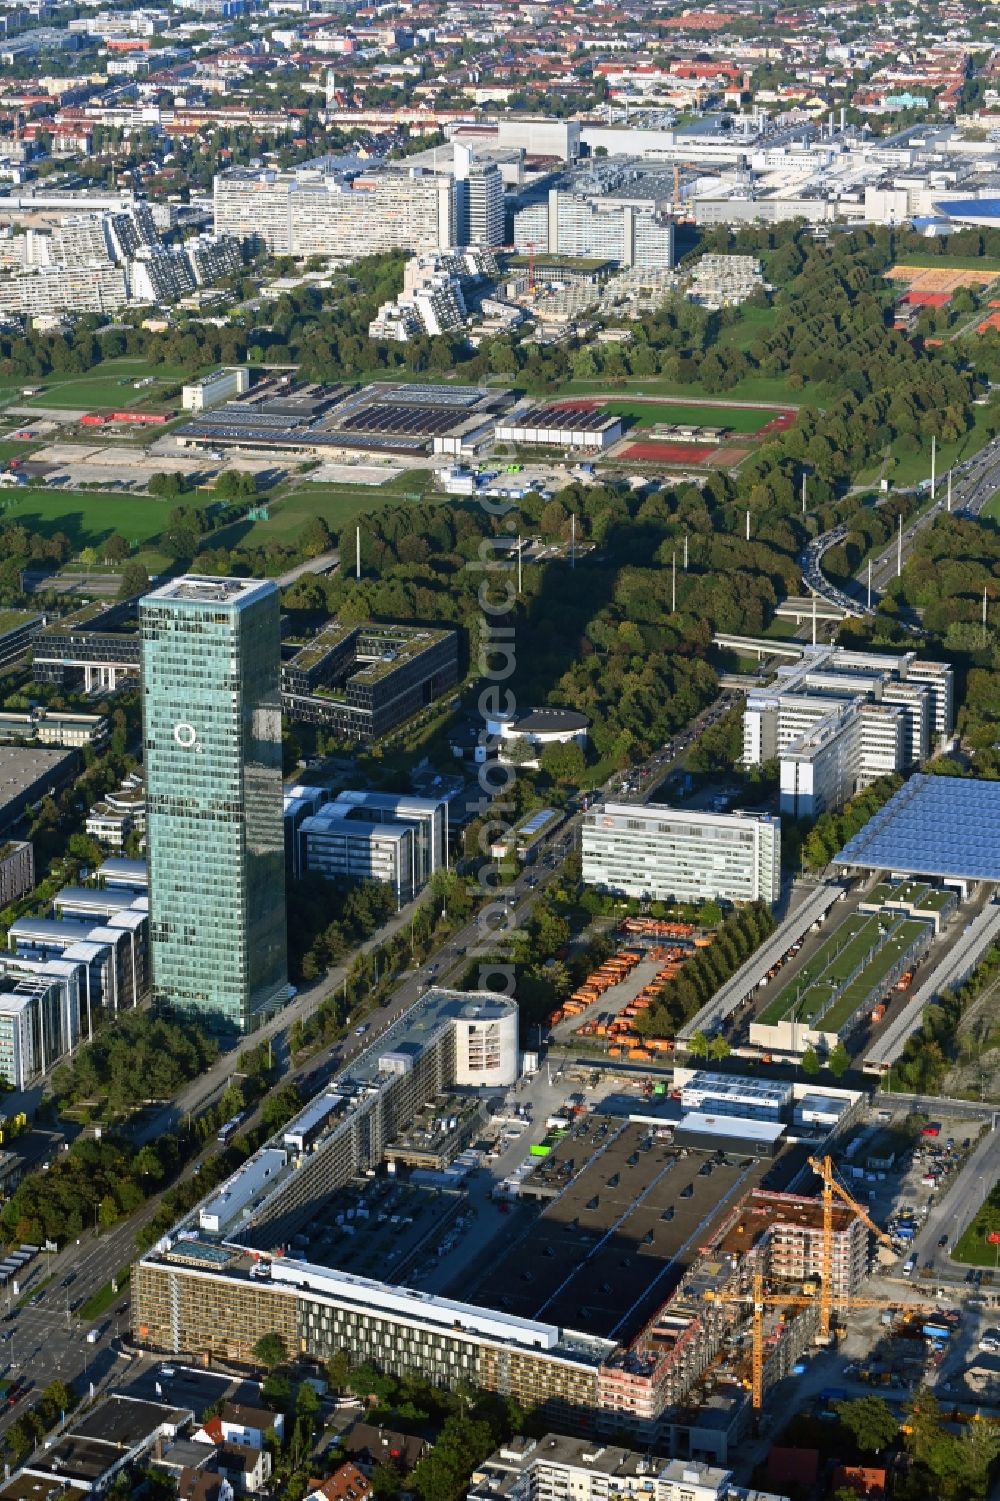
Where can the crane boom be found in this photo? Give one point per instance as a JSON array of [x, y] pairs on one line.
[[823, 1168]]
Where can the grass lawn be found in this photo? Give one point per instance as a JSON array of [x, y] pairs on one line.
[[951, 262], [88, 517], [105, 1296], [972, 1246], [992, 507], [338, 505], [773, 388], [109, 385], [754, 321], [14, 448], [807, 998], [910, 468], [646, 414]]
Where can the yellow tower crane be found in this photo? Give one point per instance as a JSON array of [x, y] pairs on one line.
[[760, 1300], [823, 1168]]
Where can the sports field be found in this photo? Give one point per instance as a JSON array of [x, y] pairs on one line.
[[828, 991], [738, 419], [945, 276]]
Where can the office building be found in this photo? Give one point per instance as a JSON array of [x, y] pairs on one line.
[[338, 212], [362, 680], [118, 815], [105, 932], [212, 734], [54, 727], [375, 836], [558, 1468], [39, 1015], [663, 854], [210, 390], [29, 773], [17, 870], [835, 720]]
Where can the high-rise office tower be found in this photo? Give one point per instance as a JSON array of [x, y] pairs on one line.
[[212, 734], [479, 203]]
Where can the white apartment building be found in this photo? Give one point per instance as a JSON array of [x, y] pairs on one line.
[[648, 850], [559, 1468], [478, 200], [836, 720], [314, 211], [52, 289], [630, 232]]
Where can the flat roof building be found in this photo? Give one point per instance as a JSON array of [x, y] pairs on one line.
[[649, 850], [838, 719], [362, 680], [526, 1469], [398, 839]]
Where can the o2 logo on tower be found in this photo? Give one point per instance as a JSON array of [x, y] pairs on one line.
[[185, 734]]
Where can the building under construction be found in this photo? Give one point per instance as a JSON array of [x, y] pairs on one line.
[[603, 1307]]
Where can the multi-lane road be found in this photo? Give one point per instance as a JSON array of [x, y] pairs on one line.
[[973, 483]]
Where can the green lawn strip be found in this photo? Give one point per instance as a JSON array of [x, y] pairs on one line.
[[288, 514], [911, 467], [770, 388], [753, 322], [648, 413], [991, 509], [105, 1296], [973, 1245], [951, 262], [109, 384], [17, 448]]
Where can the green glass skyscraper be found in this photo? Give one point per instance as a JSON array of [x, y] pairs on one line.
[[212, 735]]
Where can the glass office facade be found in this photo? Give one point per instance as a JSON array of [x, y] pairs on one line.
[[212, 735]]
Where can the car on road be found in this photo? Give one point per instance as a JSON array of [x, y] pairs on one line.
[[360, 1031], [942, 1242]]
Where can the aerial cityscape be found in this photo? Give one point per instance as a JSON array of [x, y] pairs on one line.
[[499, 750]]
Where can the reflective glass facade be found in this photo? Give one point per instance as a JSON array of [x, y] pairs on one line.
[[212, 734]]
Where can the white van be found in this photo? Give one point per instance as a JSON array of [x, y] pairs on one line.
[[909, 1265]]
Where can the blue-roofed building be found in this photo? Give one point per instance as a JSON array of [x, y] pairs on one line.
[[943, 827]]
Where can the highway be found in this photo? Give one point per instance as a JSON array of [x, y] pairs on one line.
[[973, 483]]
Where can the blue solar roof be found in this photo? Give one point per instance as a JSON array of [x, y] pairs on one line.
[[934, 826]]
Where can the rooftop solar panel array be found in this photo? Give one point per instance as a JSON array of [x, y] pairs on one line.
[[934, 826]]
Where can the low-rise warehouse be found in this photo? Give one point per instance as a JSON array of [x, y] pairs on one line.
[[562, 425]]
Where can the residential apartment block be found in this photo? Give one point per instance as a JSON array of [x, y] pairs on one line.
[[341, 213], [558, 1468], [628, 232], [648, 850]]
